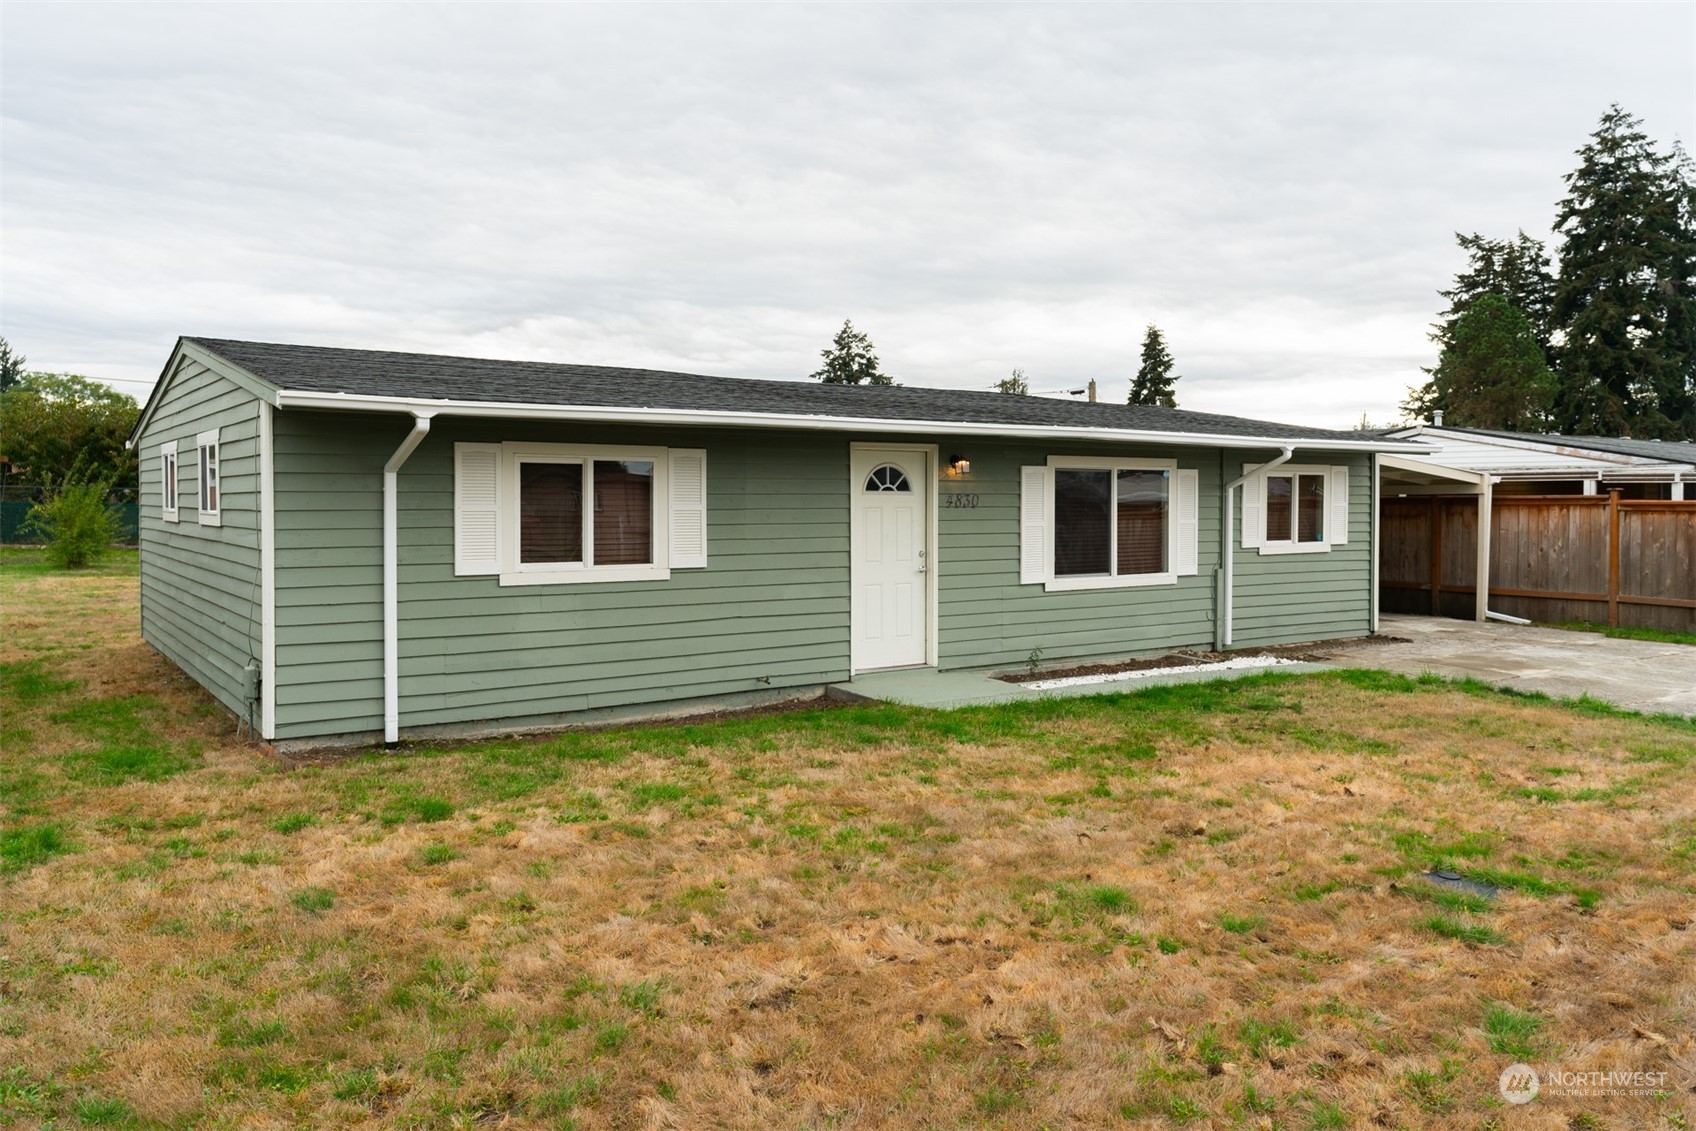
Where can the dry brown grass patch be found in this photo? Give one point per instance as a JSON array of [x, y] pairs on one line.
[[1197, 906]]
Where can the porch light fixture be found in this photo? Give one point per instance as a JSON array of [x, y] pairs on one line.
[[959, 465]]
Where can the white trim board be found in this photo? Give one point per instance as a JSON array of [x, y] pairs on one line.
[[267, 577]]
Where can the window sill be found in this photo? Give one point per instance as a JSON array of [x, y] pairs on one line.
[[1297, 548], [212, 519], [1133, 581], [169, 516], [588, 576]]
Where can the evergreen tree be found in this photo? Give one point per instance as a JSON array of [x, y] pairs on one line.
[[1016, 384], [11, 366], [1625, 303], [1492, 373], [1155, 383], [851, 360], [1516, 270]]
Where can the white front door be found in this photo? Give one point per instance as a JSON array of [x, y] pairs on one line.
[[890, 571]]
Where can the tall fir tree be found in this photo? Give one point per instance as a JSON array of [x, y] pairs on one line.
[[1625, 302], [851, 360], [1492, 373], [1155, 383], [1516, 270]]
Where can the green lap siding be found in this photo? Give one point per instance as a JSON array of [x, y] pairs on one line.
[[200, 584], [771, 610], [987, 619], [1290, 598]]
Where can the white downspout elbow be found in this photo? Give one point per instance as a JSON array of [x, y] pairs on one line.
[[1222, 635], [391, 575]]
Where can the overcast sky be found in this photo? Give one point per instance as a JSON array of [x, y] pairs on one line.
[[715, 188]]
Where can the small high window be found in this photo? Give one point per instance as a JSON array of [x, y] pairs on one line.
[[888, 478], [168, 481], [210, 485]]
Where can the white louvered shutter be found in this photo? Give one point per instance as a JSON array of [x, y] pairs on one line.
[[1253, 505], [476, 509], [1186, 521], [688, 484], [1033, 525], [1337, 507]]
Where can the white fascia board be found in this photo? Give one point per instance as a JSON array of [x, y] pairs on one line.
[[288, 399], [1435, 470]]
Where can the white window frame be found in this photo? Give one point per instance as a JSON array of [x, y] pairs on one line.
[[1056, 584], [515, 572], [207, 457], [1262, 485], [170, 482]]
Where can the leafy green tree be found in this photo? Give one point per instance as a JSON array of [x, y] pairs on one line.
[[11, 366], [1155, 383], [1016, 384], [1492, 373], [851, 360], [75, 519], [1625, 302], [50, 421]]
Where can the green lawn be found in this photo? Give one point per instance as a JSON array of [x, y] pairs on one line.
[[1627, 632]]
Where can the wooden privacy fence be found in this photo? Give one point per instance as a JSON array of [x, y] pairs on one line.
[[1553, 558]]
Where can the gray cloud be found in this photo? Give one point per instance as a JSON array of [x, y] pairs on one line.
[[715, 188]]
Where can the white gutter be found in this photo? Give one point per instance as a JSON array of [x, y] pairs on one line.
[[600, 414], [391, 576], [1222, 630]]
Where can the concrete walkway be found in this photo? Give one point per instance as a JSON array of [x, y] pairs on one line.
[[1637, 674], [927, 687]]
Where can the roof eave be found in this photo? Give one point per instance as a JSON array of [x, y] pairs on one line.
[[189, 348], [304, 399]]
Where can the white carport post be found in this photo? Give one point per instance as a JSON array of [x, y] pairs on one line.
[[1486, 501]]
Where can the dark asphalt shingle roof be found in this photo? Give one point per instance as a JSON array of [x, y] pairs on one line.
[[431, 377], [1673, 451]]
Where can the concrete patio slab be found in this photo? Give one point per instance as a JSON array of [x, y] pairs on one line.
[[927, 687], [1637, 674]]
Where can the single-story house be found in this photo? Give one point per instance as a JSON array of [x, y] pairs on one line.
[[348, 545], [1545, 463]]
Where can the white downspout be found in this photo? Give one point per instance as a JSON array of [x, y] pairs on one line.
[[391, 576], [1230, 548], [1372, 597]]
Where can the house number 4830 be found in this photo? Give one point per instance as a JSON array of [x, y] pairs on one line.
[[957, 502]]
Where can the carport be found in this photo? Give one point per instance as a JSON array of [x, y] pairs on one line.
[[1422, 507]]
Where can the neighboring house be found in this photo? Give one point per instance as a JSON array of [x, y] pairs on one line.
[[345, 545], [1532, 463]]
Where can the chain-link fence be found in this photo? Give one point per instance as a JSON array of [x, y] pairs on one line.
[[15, 504]]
